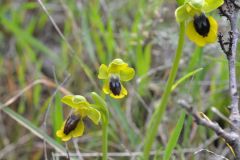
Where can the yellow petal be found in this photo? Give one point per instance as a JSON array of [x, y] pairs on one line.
[[66, 138], [117, 96], [103, 72], [78, 131], [105, 88], [75, 101], [94, 115], [194, 36], [212, 35], [127, 74], [60, 133], [116, 65]]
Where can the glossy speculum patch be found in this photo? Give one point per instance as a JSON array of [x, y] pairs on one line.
[[71, 124], [115, 85], [202, 25]]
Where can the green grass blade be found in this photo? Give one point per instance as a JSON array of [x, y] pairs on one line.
[[86, 36], [122, 119], [34, 129], [57, 115], [174, 137], [161, 107], [196, 59], [186, 77], [25, 36]]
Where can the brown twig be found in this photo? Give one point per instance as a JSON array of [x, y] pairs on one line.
[[43, 81], [223, 12], [232, 138], [230, 10], [237, 5]]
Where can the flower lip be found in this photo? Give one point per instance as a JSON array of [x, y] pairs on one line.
[[115, 85], [201, 24], [200, 40], [71, 124]]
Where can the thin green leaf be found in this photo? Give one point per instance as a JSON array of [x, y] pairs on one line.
[[34, 129], [174, 137], [87, 37], [121, 118], [57, 114], [25, 36], [186, 77]]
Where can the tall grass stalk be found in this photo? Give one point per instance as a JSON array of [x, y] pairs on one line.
[[157, 115], [102, 107], [105, 139], [174, 137]]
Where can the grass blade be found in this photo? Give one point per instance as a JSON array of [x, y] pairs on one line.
[[174, 137], [57, 115], [34, 129], [186, 77]]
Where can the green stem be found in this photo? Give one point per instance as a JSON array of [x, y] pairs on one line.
[[105, 139], [101, 106], [157, 115]]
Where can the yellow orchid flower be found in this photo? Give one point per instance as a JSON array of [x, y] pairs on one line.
[[113, 74], [74, 126], [202, 30]]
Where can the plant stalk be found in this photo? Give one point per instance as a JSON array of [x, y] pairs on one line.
[[157, 115], [105, 139]]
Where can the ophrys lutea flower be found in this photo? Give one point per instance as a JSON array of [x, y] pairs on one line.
[[74, 125], [201, 29], [114, 74]]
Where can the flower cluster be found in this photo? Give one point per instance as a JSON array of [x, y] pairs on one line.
[[201, 29], [114, 74]]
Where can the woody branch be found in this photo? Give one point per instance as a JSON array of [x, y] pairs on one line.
[[230, 10]]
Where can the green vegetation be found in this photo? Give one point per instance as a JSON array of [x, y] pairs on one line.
[[38, 66]]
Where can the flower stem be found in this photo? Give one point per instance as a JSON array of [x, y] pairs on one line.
[[101, 106], [105, 139], [157, 115]]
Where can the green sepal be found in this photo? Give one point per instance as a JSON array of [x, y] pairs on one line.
[[197, 4], [211, 5], [182, 14], [75, 101]]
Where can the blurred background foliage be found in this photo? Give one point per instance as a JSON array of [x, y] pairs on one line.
[[142, 33]]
